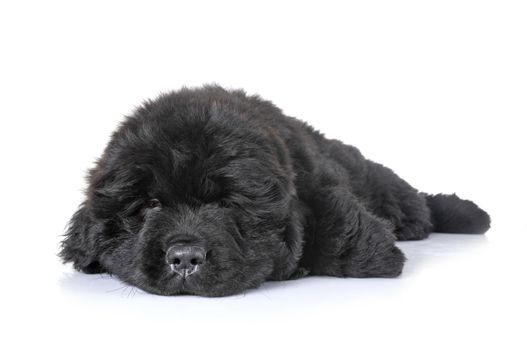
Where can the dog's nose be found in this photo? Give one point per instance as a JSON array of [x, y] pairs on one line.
[[185, 259]]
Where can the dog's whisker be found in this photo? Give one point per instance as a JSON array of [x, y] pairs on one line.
[[115, 290]]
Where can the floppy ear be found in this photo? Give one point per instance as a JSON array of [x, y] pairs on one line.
[[80, 243]]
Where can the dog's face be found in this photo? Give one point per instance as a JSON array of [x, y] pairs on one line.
[[206, 213]]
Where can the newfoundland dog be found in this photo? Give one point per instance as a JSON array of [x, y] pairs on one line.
[[209, 192]]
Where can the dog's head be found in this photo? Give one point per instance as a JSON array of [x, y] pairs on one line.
[[182, 202]]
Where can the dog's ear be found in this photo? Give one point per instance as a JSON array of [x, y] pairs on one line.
[[80, 243]]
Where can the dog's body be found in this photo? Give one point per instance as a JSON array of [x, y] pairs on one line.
[[209, 192]]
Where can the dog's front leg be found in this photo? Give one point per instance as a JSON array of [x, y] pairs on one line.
[[349, 240]]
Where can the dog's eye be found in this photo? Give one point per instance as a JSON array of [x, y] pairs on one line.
[[153, 203]]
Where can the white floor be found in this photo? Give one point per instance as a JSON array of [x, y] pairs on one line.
[[457, 291]]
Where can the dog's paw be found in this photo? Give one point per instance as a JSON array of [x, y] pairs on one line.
[[299, 273], [386, 262], [390, 263]]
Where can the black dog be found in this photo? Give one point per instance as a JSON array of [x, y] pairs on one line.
[[210, 192]]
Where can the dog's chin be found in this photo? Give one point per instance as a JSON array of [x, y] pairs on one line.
[[175, 285], [178, 285]]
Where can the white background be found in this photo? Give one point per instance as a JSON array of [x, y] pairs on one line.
[[435, 90]]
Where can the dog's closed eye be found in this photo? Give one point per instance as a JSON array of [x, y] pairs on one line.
[[210, 190], [153, 203]]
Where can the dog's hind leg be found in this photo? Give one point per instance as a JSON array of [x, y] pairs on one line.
[[393, 199], [350, 241]]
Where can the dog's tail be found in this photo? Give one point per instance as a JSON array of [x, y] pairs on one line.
[[452, 214]]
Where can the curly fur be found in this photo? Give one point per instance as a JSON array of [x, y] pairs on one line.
[[268, 197]]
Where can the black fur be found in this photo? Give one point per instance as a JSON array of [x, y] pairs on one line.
[[266, 195]]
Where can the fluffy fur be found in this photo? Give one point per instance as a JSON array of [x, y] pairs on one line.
[[265, 195]]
